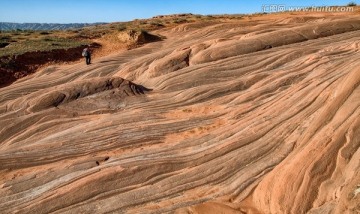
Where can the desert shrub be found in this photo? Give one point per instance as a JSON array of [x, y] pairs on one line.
[[7, 62], [48, 39], [71, 31], [179, 20], [4, 44], [157, 23], [5, 38], [121, 27], [44, 33], [29, 31], [351, 4]]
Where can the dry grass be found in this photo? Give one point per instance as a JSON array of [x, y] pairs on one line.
[[29, 42]]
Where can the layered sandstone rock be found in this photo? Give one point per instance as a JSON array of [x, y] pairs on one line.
[[231, 124]]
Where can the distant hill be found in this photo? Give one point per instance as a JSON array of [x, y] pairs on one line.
[[42, 26]]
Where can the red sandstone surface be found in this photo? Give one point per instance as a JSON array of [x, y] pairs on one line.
[[256, 115]]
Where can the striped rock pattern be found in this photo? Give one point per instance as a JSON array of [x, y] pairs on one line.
[[249, 116]]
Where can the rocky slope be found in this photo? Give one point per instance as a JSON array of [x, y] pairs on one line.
[[253, 116]]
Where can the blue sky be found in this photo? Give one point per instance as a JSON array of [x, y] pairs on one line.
[[89, 11]]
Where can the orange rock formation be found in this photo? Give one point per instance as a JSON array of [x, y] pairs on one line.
[[249, 116]]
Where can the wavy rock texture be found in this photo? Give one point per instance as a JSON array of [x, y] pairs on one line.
[[250, 116]]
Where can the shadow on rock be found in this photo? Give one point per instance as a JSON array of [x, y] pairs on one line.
[[85, 88]]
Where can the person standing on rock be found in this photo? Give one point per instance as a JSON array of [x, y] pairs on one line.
[[87, 54]]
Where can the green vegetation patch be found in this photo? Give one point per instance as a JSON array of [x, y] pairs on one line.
[[43, 44]]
